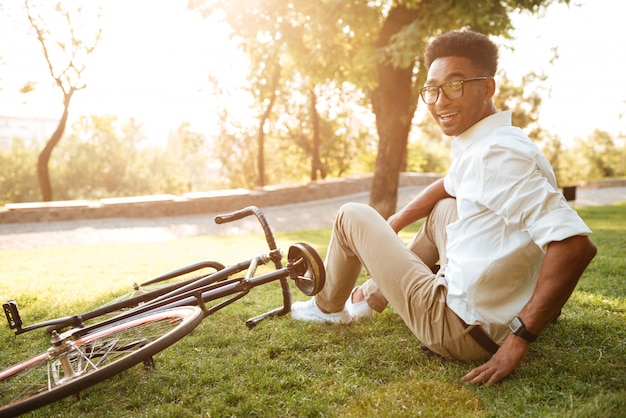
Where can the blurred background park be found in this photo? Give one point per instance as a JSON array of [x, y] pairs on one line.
[[122, 98], [114, 98]]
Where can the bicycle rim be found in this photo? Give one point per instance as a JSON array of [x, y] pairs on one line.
[[91, 358]]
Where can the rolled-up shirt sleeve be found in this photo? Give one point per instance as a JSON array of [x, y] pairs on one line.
[[557, 226], [448, 186], [526, 195]]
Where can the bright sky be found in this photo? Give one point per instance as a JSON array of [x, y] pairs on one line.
[[587, 81], [155, 56]]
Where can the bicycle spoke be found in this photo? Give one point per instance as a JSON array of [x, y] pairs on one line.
[[64, 365]]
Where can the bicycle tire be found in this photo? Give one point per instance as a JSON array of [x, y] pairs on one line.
[[94, 357]]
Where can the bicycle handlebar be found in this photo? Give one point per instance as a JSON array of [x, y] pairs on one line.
[[238, 214], [248, 211], [269, 237], [15, 321]]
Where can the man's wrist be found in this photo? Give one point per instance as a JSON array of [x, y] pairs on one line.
[[518, 328]]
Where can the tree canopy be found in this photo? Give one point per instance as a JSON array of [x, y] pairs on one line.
[[374, 45]]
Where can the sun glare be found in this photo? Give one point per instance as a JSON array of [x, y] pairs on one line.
[[152, 63], [155, 61]]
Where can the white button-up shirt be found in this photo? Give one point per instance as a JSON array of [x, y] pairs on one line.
[[509, 210]]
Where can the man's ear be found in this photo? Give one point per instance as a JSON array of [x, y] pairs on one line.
[[490, 87]]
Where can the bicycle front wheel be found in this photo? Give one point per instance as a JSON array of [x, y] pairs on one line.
[[91, 358]]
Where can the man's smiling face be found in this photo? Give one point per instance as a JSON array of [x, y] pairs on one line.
[[456, 116]]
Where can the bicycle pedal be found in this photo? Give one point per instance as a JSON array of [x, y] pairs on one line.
[[13, 315]]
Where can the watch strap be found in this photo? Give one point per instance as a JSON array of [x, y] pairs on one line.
[[517, 327]]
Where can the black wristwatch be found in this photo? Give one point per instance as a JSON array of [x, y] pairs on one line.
[[517, 327]]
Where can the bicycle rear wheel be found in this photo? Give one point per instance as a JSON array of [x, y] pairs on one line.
[[91, 358]]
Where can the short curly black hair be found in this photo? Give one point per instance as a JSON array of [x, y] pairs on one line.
[[464, 43]]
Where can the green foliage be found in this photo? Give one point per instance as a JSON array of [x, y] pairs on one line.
[[602, 155], [18, 178], [287, 368], [344, 129], [428, 156], [298, 47], [345, 132], [94, 159], [323, 40], [596, 157], [524, 100], [101, 157], [296, 51], [189, 155], [235, 149]]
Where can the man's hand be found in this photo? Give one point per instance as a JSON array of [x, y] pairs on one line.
[[419, 207], [562, 266], [501, 364]]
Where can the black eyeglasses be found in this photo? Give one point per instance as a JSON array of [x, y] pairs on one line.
[[453, 90]]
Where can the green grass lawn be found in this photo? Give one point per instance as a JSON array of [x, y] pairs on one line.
[[286, 368]]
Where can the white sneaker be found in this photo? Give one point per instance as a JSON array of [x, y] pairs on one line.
[[308, 311], [358, 310]]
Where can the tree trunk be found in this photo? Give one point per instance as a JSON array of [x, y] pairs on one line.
[[261, 133], [43, 174], [261, 141], [391, 102], [260, 157], [316, 165]]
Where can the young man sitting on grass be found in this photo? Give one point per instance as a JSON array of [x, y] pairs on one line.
[[511, 249]]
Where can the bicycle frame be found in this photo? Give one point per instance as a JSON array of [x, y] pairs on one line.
[[203, 289], [143, 325]]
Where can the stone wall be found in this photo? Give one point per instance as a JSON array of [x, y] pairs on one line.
[[217, 201], [196, 203]]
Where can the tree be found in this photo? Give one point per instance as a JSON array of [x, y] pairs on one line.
[[256, 27], [190, 149], [407, 28], [601, 154], [97, 159], [310, 42], [375, 45], [66, 38], [267, 98], [102, 156], [330, 128], [394, 105]]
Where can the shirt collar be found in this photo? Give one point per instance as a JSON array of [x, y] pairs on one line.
[[482, 127]]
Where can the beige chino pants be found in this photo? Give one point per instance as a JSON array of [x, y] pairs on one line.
[[401, 275]]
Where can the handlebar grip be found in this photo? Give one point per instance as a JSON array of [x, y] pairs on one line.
[[234, 216]]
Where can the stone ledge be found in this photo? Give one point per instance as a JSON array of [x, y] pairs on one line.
[[138, 200], [70, 204], [213, 201], [197, 202], [598, 184]]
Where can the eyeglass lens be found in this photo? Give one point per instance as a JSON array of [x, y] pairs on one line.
[[453, 90]]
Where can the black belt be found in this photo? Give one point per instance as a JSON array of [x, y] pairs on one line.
[[481, 337]]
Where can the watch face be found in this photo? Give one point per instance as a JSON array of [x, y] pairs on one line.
[[516, 325]]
